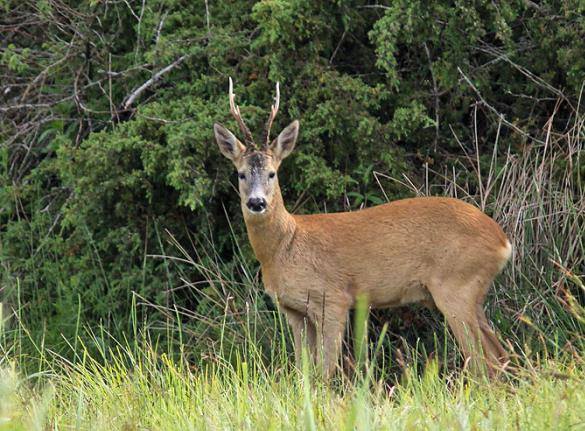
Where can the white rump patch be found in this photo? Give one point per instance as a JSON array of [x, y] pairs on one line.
[[506, 253]]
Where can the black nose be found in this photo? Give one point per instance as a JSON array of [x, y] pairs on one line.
[[257, 204]]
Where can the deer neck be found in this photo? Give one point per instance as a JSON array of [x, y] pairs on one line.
[[270, 232]]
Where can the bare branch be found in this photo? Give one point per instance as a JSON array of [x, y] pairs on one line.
[[341, 39], [495, 111], [207, 18], [435, 95], [131, 98], [159, 28], [374, 6]]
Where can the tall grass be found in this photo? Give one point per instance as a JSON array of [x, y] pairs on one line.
[[132, 386]]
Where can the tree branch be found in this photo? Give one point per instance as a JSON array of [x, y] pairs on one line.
[[495, 111], [131, 98]]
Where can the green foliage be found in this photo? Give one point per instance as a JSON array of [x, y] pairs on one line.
[[13, 60]]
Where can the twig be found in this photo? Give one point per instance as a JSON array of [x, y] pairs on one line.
[[534, 78], [132, 10], [159, 28], [435, 95], [338, 46], [495, 111], [34, 106], [113, 111], [139, 29], [373, 6], [207, 18], [478, 169], [131, 98]]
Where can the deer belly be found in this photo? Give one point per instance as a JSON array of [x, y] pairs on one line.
[[388, 297]]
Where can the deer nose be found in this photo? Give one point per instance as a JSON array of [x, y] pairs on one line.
[[256, 204]]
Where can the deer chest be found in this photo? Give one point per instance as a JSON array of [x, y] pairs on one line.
[[304, 289]]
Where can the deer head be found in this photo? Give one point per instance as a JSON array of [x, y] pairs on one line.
[[257, 167]]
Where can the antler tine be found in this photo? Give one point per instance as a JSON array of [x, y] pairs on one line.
[[235, 111], [273, 112]]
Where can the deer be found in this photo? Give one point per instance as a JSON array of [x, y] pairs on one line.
[[438, 251]]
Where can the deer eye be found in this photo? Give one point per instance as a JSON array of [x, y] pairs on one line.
[[271, 174], [242, 176]]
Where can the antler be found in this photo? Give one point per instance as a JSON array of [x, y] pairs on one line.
[[273, 112], [235, 111]]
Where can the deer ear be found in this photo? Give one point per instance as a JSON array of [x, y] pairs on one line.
[[283, 145], [228, 143]]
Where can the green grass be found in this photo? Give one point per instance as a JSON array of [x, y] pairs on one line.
[[138, 388]]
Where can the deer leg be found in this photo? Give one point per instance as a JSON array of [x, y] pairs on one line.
[[330, 326], [459, 308], [466, 333], [303, 333], [496, 355]]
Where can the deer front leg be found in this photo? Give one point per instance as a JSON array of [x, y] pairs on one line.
[[330, 326], [303, 333]]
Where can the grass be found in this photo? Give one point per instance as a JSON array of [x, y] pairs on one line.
[[135, 387]]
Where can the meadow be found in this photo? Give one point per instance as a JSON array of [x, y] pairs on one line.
[[134, 389]]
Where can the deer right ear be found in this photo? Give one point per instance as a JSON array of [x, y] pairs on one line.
[[228, 143]]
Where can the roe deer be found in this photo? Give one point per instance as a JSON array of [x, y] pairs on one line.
[[438, 251]]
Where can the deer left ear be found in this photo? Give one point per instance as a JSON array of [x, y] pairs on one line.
[[283, 145]]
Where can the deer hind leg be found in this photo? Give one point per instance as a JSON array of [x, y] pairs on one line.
[[496, 355], [458, 303]]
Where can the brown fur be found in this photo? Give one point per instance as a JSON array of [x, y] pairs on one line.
[[433, 250]]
